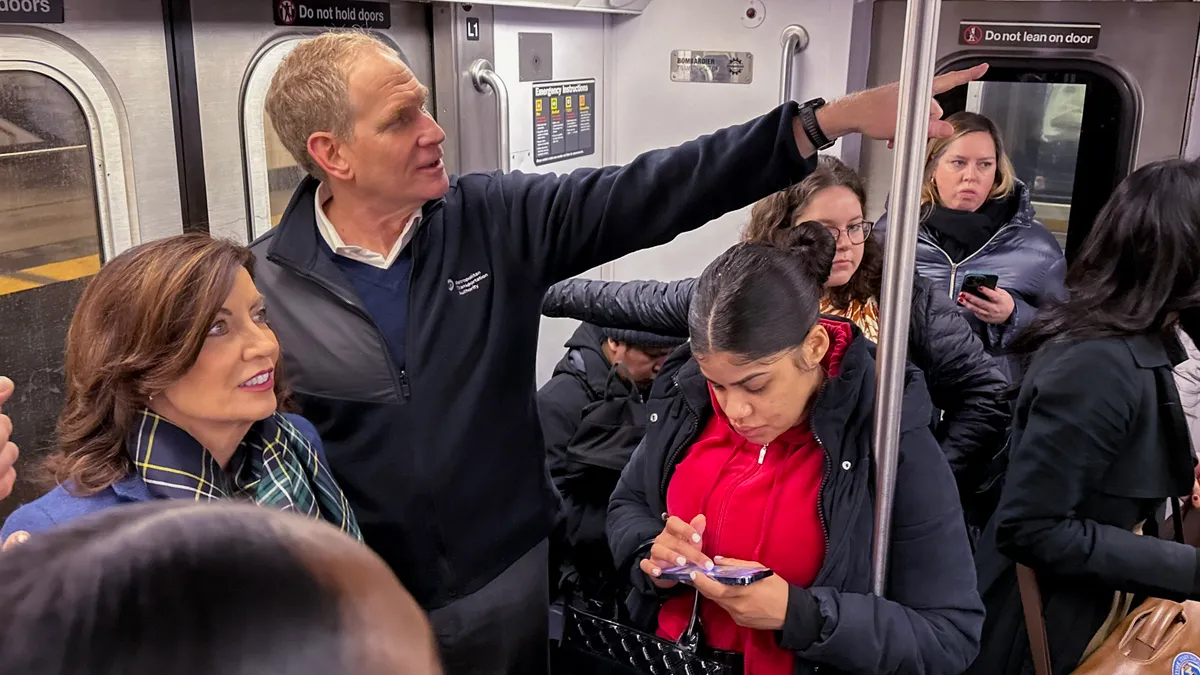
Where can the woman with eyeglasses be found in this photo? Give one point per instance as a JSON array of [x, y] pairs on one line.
[[964, 381]]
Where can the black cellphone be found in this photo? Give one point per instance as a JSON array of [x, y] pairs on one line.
[[977, 280]]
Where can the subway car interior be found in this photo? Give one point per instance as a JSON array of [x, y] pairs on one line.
[[125, 121]]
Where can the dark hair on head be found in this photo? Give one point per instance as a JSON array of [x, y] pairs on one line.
[[770, 217], [170, 587], [758, 299], [138, 328], [1138, 270]]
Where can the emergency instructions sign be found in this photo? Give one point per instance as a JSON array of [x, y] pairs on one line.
[[564, 120], [1029, 34]]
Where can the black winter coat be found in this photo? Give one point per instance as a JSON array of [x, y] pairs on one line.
[[930, 618], [1099, 443], [592, 420], [963, 380]]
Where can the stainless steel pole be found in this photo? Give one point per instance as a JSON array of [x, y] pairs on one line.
[[912, 126]]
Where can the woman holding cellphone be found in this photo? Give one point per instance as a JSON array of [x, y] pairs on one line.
[[758, 454]]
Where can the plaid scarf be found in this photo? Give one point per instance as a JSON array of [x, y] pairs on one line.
[[275, 465]]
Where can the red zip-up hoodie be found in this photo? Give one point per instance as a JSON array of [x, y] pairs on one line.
[[760, 503]]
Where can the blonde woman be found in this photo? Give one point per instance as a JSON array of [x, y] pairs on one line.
[[977, 219]]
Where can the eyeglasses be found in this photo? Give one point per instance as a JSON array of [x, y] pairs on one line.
[[856, 233]]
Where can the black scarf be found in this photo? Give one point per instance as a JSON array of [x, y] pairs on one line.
[[962, 233]]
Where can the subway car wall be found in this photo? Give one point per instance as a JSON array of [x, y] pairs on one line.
[[114, 132]]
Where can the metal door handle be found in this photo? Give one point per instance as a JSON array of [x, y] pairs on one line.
[[794, 40], [484, 77]]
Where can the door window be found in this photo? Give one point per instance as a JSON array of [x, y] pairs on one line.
[[49, 247], [1068, 126], [1040, 123]]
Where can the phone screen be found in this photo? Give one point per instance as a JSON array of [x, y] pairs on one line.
[[726, 574]]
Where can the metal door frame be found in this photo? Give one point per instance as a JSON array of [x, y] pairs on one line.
[[50, 54]]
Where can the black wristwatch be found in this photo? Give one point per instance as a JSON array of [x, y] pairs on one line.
[[808, 120]]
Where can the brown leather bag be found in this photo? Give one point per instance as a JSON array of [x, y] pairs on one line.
[[1159, 637]]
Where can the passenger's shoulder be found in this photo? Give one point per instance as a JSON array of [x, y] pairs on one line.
[[1039, 238], [305, 427], [260, 245], [1101, 364], [56, 507]]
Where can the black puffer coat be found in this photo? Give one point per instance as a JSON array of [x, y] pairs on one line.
[[963, 380], [929, 619]]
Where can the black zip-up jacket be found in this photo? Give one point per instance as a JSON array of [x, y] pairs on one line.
[[930, 619], [586, 398], [444, 462], [964, 382]]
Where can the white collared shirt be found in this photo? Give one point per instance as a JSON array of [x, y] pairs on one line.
[[357, 253]]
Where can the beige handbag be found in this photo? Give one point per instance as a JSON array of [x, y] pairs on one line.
[[1159, 637]]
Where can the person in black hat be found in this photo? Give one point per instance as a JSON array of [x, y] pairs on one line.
[[593, 415]]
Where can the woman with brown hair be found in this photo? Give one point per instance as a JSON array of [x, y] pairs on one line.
[[173, 393], [963, 381]]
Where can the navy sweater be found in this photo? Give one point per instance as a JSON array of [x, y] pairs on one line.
[[384, 292]]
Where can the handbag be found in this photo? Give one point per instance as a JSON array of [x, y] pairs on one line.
[[1159, 636], [592, 644]]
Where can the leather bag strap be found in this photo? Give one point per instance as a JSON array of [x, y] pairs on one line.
[[1035, 623]]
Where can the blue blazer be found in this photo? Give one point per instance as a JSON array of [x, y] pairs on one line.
[[59, 506]]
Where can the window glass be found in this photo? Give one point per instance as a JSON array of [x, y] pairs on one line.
[[49, 248], [1040, 123], [283, 174]]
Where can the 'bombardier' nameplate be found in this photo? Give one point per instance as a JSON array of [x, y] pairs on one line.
[[694, 65]]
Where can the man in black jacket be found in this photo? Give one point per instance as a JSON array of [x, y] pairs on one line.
[[593, 415], [408, 303]]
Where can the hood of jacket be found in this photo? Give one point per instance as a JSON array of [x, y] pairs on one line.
[[585, 361]]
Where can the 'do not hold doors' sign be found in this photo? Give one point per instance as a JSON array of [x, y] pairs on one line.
[[333, 13]]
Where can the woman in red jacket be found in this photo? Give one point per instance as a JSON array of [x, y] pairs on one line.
[[758, 452]]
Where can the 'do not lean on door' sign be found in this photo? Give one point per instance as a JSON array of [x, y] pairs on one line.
[[1029, 34], [332, 13], [564, 120]]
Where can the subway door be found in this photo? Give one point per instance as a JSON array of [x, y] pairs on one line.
[[1083, 93], [249, 176], [87, 169]]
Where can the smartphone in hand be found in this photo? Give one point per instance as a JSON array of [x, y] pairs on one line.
[[729, 575], [977, 280]]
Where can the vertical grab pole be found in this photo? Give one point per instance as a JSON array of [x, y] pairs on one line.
[[794, 40], [912, 125], [484, 77]]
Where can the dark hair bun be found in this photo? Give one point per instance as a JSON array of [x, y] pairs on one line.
[[812, 245]]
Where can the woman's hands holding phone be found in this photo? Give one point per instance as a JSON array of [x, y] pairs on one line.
[[761, 605], [678, 544], [996, 308]]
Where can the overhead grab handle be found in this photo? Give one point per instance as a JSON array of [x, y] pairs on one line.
[[794, 40], [484, 77], [912, 127]]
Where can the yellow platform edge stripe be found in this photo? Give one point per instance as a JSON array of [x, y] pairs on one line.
[[64, 270]]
